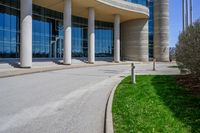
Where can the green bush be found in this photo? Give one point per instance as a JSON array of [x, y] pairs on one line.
[[188, 49], [172, 53]]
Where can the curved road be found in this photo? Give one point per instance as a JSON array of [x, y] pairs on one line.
[[65, 101]]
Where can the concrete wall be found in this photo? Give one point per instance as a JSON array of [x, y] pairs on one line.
[[161, 29], [134, 40]]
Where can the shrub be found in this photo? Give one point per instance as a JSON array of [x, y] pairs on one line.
[[188, 49], [172, 52]]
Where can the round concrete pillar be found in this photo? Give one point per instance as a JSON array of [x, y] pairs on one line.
[[117, 38], [135, 40], [91, 35], [26, 34], [161, 29], [67, 32]]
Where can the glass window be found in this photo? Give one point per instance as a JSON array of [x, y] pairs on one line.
[[1, 18], [7, 20], [103, 39], [48, 33], [13, 37], [1, 49], [7, 36], [142, 2]]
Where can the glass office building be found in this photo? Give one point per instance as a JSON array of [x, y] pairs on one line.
[[48, 29], [48, 33]]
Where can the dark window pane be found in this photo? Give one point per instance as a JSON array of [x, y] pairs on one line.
[[1, 46]]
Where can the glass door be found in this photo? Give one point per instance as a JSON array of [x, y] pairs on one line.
[[59, 47]]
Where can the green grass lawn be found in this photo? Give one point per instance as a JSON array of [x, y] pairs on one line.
[[155, 104]]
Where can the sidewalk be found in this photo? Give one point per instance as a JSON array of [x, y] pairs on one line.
[[11, 68]]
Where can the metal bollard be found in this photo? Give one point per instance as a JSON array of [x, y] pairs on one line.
[[133, 73], [154, 64]]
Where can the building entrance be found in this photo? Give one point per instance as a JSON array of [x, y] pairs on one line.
[[57, 48]]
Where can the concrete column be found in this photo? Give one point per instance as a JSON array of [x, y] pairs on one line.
[[91, 35], [161, 30], [26, 34], [117, 39], [67, 32]]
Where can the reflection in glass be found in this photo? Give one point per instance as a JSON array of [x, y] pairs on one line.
[[48, 32], [103, 39], [142, 2], [9, 29]]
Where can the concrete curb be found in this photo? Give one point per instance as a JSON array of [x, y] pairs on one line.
[[23, 71], [108, 118]]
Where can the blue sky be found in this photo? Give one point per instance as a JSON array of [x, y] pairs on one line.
[[175, 10]]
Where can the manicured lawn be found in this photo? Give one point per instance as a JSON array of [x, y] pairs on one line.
[[155, 104]]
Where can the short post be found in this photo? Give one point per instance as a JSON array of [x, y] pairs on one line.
[[154, 64], [133, 73]]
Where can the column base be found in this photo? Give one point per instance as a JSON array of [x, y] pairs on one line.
[[25, 67], [67, 64], [91, 62], [116, 61]]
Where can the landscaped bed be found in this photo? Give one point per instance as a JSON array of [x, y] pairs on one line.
[[155, 104]]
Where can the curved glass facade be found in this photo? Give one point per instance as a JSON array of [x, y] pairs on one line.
[[48, 33], [141, 2]]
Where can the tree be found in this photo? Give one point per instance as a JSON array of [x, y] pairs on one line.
[[188, 49], [172, 53]]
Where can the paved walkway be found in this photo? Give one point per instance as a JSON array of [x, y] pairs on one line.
[[64, 101], [8, 69], [11, 68]]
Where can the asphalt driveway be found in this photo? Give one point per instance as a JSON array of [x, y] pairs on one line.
[[65, 101]]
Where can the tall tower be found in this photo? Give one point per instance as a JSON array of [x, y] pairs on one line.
[[161, 29]]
